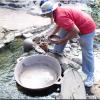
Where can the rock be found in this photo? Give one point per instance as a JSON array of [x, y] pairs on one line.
[[91, 97], [72, 86], [79, 48], [27, 35], [8, 38], [67, 50], [18, 34], [1, 35], [75, 53], [28, 45], [34, 11], [2, 45], [97, 31], [68, 46], [74, 40], [39, 49], [20, 20], [97, 38], [74, 45], [37, 39], [74, 65], [77, 60]]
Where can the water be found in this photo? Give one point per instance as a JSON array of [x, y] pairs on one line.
[[8, 58], [8, 87]]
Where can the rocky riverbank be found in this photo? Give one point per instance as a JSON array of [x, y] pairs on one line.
[[14, 24]]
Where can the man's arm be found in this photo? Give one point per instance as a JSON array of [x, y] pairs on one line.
[[71, 34], [54, 30]]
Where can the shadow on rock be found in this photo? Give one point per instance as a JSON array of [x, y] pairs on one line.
[[88, 90], [39, 92]]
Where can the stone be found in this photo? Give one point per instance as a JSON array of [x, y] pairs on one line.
[[27, 35], [28, 45], [77, 60], [2, 45], [18, 34], [74, 45], [67, 50], [1, 35], [8, 38], [72, 86], [22, 20], [92, 97], [68, 45], [97, 31]]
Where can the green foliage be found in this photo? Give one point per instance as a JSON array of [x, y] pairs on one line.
[[95, 6]]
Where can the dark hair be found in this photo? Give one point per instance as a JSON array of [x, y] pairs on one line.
[[42, 1], [59, 4]]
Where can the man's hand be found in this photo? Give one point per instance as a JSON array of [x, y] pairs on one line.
[[57, 40]]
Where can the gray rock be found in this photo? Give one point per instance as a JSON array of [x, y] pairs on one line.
[[77, 60], [67, 50], [8, 38], [18, 34], [1, 35], [2, 45], [72, 86], [74, 45], [74, 40], [91, 97], [68, 46], [97, 31], [27, 35]]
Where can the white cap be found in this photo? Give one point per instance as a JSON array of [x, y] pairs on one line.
[[48, 7]]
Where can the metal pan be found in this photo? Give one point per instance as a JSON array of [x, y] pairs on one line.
[[37, 71]]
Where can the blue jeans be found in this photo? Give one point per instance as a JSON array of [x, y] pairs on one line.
[[86, 43], [60, 48]]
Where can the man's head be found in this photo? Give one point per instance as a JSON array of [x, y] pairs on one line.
[[49, 7]]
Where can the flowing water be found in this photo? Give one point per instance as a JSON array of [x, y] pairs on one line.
[[8, 56]]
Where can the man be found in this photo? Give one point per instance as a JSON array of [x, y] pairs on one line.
[[71, 22]]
